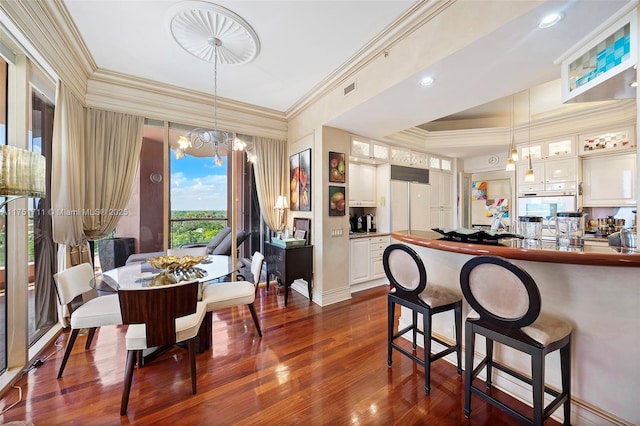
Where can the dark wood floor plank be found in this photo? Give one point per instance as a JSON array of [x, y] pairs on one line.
[[313, 366]]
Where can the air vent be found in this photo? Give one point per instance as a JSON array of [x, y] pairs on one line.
[[350, 88]]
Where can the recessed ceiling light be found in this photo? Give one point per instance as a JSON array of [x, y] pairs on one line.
[[427, 81], [551, 19]]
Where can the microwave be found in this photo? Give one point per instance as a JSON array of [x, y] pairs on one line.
[[546, 206]]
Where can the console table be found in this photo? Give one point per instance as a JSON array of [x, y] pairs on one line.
[[289, 264]]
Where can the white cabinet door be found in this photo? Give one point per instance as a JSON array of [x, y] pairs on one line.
[[609, 181], [561, 170], [399, 205], [441, 210], [359, 260], [538, 178], [441, 188], [362, 185], [420, 205]]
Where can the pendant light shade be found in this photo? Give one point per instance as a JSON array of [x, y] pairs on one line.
[[528, 175], [512, 155]]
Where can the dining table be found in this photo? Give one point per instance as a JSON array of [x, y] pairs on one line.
[[142, 274]]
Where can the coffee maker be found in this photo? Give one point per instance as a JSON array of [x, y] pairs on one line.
[[371, 223]]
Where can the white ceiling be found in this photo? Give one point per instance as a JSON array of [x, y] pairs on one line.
[[303, 42]]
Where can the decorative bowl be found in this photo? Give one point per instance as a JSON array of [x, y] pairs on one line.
[[175, 263]]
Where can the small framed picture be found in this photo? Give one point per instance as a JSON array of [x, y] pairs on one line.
[[337, 201], [300, 234], [336, 167]]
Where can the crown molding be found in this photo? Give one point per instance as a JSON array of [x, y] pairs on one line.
[[606, 115], [124, 93], [47, 26], [397, 31]]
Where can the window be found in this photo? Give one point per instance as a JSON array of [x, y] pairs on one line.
[[3, 222], [198, 192], [42, 252]]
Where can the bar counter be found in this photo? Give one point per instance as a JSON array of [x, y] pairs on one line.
[[518, 249], [595, 288]]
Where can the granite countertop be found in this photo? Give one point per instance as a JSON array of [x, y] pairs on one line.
[[354, 235]]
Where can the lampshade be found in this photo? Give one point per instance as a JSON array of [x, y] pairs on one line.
[[281, 203], [22, 172]]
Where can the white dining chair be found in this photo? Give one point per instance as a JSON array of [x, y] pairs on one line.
[[234, 293], [76, 291]]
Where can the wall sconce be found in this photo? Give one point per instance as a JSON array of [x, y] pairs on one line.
[[22, 174]]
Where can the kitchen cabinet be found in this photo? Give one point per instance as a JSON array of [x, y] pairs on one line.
[[607, 142], [409, 158], [546, 150], [609, 181], [362, 185], [441, 206], [557, 175], [365, 261], [369, 149]]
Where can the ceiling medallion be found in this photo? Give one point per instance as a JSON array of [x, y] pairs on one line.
[[193, 24]]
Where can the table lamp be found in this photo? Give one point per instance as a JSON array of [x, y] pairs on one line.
[[281, 206]]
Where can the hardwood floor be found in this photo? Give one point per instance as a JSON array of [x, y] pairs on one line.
[[313, 366]]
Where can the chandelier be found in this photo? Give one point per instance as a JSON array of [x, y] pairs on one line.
[[203, 29]]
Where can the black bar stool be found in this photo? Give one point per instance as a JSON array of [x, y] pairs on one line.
[[506, 307], [408, 276]]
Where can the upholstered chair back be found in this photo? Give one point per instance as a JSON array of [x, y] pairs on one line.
[[500, 292], [405, 270]]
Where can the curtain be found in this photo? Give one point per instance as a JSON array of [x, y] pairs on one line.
[[113, 143], [271, 176], [95, 156], [68, 169]]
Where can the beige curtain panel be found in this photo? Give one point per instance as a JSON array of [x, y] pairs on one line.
[[95, 156], [113, 143], [68, 168], [270, 171]]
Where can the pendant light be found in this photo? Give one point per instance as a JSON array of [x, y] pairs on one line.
[[528, 175], [513, 152]]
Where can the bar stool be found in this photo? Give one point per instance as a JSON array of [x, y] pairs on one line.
[[506, 307], [408, 276]]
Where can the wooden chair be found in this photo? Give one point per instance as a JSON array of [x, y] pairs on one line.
[[227, 294], [506, 308], [159, 316], [76, 290], [408, 276]]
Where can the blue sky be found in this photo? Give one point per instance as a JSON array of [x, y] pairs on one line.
[[198, 184]]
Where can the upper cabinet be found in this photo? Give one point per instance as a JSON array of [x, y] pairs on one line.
[[369, 149], [547, 149], [601, 66], [404, 157], [606, 142], [362, 185], [609, 180]]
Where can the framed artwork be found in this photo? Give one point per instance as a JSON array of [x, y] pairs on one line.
[[294, 182], [337, 201], [336, 167], [300, 181], [305, 180]]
